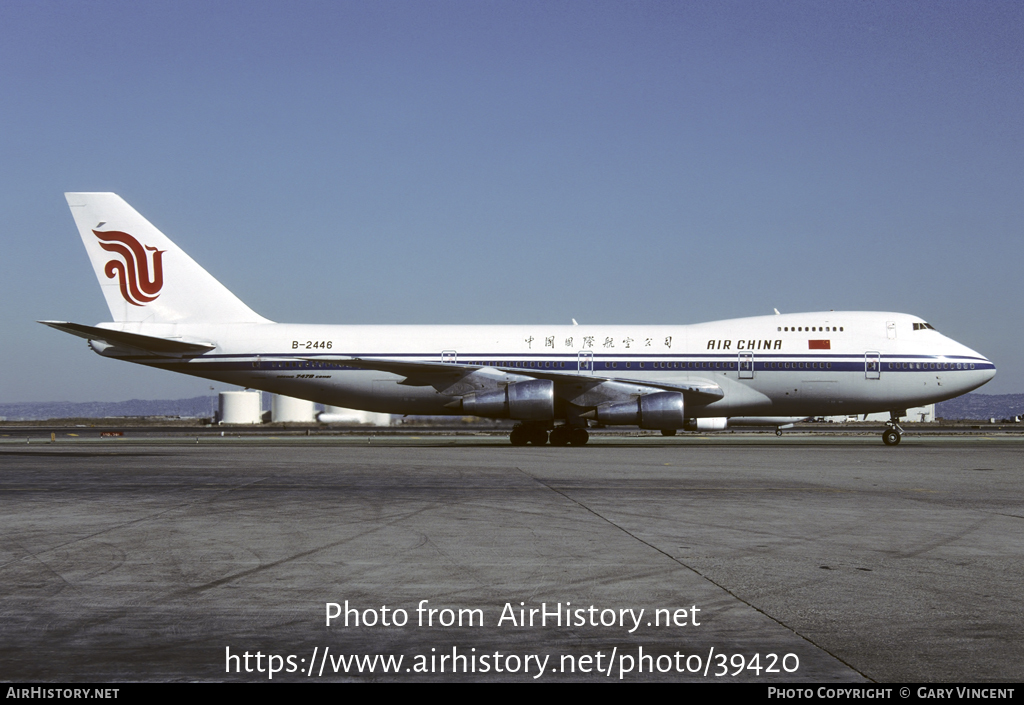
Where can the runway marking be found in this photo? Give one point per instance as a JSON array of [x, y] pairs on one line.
[[127, 524], [696, 572], [39, 560], [946, 539], [235, 576]]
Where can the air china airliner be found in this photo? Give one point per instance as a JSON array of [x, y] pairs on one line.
[[169, 313]]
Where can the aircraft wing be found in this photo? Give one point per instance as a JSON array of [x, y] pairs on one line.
[[147, 343], [406, 368], [431, 373]]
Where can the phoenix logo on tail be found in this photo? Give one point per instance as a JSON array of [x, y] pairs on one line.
[[133, 276]]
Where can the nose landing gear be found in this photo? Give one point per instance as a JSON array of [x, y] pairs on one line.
[[892, 434]]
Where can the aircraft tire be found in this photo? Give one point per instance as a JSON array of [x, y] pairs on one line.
[[539, 437], [560, 436], [668, 432], [891, 437], [778, 432], [519, 437], [578, 437]]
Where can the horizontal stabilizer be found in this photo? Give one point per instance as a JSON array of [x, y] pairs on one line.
[[148, 343]]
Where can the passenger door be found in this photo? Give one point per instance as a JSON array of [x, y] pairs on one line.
[[746, 365], [585, 361], [872, 365]]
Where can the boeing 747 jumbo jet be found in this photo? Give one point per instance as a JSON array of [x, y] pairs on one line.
[[169, 313]]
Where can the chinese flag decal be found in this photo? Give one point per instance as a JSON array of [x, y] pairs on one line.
[[819, 344]]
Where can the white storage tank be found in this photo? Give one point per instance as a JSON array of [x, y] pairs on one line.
[[339, 414], [239, 407], [291, 410]]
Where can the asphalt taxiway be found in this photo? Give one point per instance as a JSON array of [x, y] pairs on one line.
[[158, 558]]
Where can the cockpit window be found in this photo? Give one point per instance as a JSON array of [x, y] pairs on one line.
[[923, 326]]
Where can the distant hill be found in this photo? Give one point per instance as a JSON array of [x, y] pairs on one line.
[[981, 406], [969, 406], [196, 407]]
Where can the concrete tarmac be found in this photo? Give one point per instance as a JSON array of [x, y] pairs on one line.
[[831, 559]]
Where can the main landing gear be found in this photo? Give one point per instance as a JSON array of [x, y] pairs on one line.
[[537, 434], [893, 433], [569, 436]]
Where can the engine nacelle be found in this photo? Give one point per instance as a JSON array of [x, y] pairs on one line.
[[661, 410], [533, 400], [711, 423]]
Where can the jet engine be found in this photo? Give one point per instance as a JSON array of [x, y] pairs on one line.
[[533, 400], [660, 410]]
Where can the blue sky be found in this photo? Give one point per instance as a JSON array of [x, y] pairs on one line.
[[486, 162]]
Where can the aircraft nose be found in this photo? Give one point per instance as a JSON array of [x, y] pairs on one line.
[[988, 370], [981, 371], [972, 369]]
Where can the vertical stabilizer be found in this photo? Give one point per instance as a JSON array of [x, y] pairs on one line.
[[144, 276]]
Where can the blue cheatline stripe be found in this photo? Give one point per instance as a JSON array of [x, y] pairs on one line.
[[464, 357], [568, 363]]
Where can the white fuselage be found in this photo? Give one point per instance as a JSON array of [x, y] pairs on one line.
[[783, 365], [170, 313]]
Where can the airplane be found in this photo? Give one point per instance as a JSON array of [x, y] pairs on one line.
[[554, 380]]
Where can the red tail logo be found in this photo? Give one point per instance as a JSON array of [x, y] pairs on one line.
[[137, 287]]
